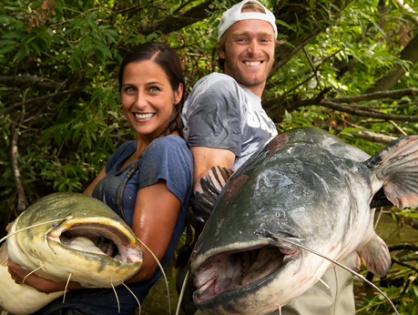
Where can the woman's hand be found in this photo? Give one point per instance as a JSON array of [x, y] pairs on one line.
[[40, 284]]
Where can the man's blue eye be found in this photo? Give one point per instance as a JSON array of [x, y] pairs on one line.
[[154, 89]]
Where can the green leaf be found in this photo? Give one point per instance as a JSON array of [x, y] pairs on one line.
[[6, 41], [93, 25], [7, 172], [59, 5], [283, 23], [409, 214], [6, 19], [36, 4], [20, 54], [6, 49], [49, 173], [15, 34]]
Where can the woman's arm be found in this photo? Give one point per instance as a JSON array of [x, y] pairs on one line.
[[155, 216], [90, 188], [40, 284]]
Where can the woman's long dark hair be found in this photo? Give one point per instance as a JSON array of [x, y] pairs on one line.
[[168, 60]]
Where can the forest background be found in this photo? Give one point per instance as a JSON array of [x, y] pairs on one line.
[[345, 66]]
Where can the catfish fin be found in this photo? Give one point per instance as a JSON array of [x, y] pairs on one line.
[[3, 255], [376, 256], [212, 184], [396, 169], [353, 262]]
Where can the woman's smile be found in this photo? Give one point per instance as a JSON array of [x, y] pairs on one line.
[[141, 118]]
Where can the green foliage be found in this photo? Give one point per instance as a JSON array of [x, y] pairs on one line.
[[405, 297], [73, 48], [77, 46]]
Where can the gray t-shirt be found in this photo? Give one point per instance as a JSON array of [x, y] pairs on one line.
[[220, 113]]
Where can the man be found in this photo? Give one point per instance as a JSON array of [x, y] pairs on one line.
[[225, 124]]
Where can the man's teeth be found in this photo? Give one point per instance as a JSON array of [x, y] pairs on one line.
[[143, 116], [252, 63]]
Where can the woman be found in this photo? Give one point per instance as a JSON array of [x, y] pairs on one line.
[[147, 181]]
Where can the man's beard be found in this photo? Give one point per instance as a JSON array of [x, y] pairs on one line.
[[240, 77]]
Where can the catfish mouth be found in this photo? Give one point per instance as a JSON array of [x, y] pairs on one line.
[[238, 269], [100, 239]]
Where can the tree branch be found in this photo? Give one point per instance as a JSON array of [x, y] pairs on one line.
[[404, 6], [397, 261], [413, 223], [376, 96], [403, 247], [176, 22], [394, 124], [372, 137], [334, 103], [36, 82], [359, 112], [368, 135], [388, 81], [312, 66], [37, 99], [20, 191], [297, 13]]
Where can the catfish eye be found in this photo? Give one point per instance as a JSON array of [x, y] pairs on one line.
[[277, 214]]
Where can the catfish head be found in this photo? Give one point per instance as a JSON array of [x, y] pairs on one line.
[[101, 247], [313, 192]]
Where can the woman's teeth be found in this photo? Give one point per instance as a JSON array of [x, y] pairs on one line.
[[143, 116]]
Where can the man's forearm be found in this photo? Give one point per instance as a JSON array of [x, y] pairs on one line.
[[205, 158]]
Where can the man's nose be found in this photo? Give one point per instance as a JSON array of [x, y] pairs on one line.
[[254, 47]]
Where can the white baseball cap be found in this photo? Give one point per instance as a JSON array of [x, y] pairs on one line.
[[234, 15]]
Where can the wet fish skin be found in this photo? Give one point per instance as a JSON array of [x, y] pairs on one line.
[[84, 219], [310, 187]]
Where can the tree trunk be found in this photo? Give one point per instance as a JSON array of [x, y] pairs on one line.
[[388, 81]]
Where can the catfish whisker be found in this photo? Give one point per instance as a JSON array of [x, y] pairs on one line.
[[322, 281], [280, 309], [24, 279], [117, 298], [378, 218], [162, 270], [342, 266], [29, 227], [139, 304], [183, 287], [66, 286]]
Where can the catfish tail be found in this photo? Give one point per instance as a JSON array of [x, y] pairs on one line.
[[396, 169]]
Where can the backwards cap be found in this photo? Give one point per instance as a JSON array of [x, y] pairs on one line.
[[234, 15]]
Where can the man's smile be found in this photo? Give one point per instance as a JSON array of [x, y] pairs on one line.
[[253, 63]]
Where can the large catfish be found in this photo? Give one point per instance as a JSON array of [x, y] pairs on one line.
[[309, 187], [87, 240]]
